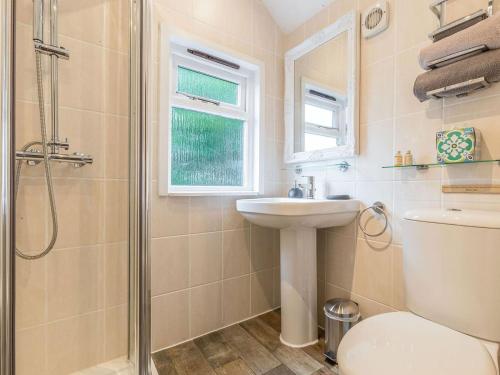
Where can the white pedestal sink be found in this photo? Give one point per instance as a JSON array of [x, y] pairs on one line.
[[298, 220]]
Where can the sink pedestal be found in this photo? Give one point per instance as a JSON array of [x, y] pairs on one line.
[[299, 318], [297, 220]]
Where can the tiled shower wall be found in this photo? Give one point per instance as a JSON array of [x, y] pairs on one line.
[[211, 268], [71, 310], [370, 271]]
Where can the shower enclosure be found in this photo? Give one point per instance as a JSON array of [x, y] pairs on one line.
[[74, 189]]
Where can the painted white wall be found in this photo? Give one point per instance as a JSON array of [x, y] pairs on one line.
[[290, 14]]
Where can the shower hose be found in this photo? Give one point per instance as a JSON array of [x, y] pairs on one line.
[[46, 161]]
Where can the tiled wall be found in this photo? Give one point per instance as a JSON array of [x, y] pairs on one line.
[[370, 271], [211, 268], [71, 308]]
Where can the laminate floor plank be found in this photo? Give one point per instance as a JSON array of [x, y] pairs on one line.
[[255, 355], [281, 370], [188, 360], [238, 367], [265, 334], [272, 319], [327, 371], [164, 363], [297, 360], [215, 349]]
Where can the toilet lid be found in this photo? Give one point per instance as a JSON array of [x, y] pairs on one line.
[[404, 344]]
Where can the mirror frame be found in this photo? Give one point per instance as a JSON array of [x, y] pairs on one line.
[[348, 23]]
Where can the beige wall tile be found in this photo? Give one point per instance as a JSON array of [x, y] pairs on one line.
[[30, 343], [79, 209], [74, 282], [169, 264], [407, 69], [31, 293], [116, 211], [373, 271], [376, 151], [116, 23], [236, 253], [262, 248], [206, 308], [264, 27], [31, 223], [169, 319], [116, 83], [205, 258], [116, 136], [116, 340], [116, 274], [231, 218], [377, 91], [414, 22], [238, 20], [170, 216], [84, 90], [262, 291], [340, 260], [75, 343], [235, 299], [83, 20], [205, 214]]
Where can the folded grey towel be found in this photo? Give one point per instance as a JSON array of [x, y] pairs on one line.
[[486, 33], [485, 65]]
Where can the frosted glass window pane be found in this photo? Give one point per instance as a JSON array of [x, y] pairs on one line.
[[206, 86], [318, 116], [318, 142], [207, 150]]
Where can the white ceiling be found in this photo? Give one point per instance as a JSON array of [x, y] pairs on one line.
[[290, 14]]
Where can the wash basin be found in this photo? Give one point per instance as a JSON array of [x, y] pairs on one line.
[[292, 212], [298, 220]]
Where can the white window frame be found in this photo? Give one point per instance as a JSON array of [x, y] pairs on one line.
[[249, 109]]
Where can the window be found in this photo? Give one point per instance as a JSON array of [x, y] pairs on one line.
[[324, 118], [209, 122]]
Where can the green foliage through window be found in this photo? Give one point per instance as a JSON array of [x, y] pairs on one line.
[[206, 86], [207, 150]]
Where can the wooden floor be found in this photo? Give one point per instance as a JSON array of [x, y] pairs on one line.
[[249, 348]]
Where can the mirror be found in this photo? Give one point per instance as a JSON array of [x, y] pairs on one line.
[[321, 103]]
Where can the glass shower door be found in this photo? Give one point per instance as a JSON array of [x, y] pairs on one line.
[[72, 268]]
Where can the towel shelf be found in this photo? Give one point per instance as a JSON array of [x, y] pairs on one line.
[[459, 89], [454, 57], [444, 30]]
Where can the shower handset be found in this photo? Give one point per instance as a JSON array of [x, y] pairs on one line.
[[45, 151]]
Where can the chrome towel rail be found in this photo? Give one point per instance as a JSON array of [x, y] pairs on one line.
[[438, 8], [459, 89], [379, 209]]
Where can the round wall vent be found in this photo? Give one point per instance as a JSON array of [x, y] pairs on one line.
[[375, 19]]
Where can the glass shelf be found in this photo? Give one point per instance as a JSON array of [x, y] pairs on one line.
[[433, 165]]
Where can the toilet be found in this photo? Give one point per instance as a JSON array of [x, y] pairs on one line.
[[451, 264]]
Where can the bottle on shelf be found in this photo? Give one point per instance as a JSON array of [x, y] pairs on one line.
[[398, 159], [408, 159]]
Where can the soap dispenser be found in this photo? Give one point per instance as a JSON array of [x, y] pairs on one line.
[[295, 192]]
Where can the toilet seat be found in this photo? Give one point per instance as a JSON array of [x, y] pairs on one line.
[[402, 343]]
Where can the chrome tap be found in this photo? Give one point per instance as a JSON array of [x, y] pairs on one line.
[[309, 188]]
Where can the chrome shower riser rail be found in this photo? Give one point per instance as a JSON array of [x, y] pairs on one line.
[[75, 159]]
